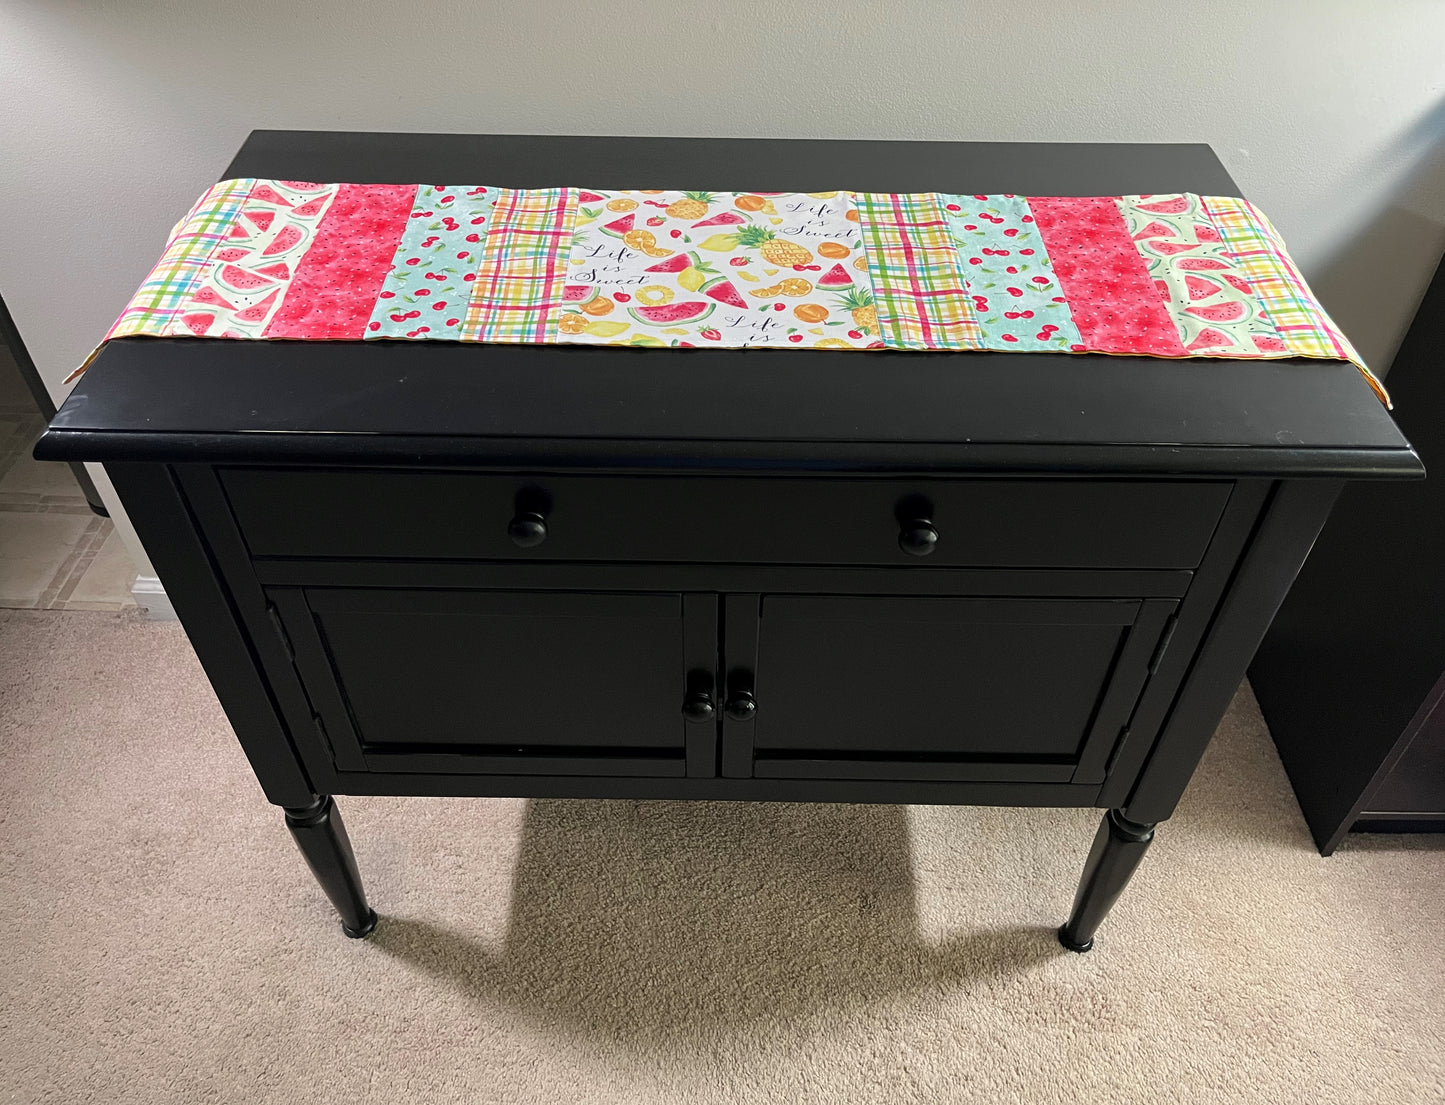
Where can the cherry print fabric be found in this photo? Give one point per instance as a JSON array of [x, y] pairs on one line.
[[1009, 274], [1114, 302], [339, 279], [429, 284]]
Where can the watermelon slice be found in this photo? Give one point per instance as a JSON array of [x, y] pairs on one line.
[[1201, 288], [232, 253], [1165, 292], [836, 277], [1209, 338], [242, 280], [262, 219], [618, 227], [677, 263], [1199, 263], [669, 314], [1220, 312], [727, 218], [579, 293], [238, 231], [1155, 229], [266, 194], [1238, 282], [300, 185], [287, 238], [1168, 249], [589, 197], [1166, 207], [311, 207], [1205, 232], [211, 296], [723, 291], [258, 311], [279, 270], [198, 323], [1266, 344]]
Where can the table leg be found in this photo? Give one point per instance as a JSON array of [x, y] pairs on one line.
[[322, 838], [1118, 847]]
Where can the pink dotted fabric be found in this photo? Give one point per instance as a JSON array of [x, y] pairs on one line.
[[339, 279], [1113, 299]]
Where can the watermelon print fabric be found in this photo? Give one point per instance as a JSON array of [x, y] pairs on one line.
[[719, 268], [1212, 303], [1009, 274], [1176, 276]]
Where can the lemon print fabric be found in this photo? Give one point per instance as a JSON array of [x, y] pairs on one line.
[[724, 269]]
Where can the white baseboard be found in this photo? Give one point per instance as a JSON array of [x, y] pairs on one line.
[[151, 597]]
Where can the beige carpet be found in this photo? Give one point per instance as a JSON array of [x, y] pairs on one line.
[[164, 943]]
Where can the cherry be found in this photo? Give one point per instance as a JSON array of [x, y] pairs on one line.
[[387, 295], [453, 321], [1027, 219], [1026, 314], [474, 237], [1042, 335], [980, 197], [1012, 269], [795, 337], [373, 326], [470, 277], [975, 260], [463, 255], [479, 219], [413, 260], [779, 306], [955, 207], [1010, 232], [1010, 314], [1027, 252], [1015, 292], [1009, 337], [622, 297], [413, 314], [439, 305], [675, 233], [970, 226], [1079, 348], [423, 291], [1041, 280], [800, 268], [855, 334], [423, 330], [1060, 299]]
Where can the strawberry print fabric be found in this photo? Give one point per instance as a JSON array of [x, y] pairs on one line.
[[251, 270], [1162, 276], [1009, 274], [698, 268], [429, 285], [339, 277], [1212, 303], [1114, 302]]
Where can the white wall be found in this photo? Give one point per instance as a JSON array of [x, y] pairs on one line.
[[115, 114]]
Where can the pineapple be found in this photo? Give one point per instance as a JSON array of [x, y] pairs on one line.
[[859, 303], [775, 250], [693, 205]]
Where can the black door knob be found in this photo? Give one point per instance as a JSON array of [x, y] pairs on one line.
[[528, 529], [741, 706], [918, 537], [697, 706]]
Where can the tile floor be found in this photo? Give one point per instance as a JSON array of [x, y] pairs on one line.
[[54, 553]]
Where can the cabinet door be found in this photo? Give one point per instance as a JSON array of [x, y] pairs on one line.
[[1001, 689], [511, 682]]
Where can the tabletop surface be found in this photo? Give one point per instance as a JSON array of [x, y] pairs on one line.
[[450, 402]]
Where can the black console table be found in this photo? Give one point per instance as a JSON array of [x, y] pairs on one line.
[[582, 571]]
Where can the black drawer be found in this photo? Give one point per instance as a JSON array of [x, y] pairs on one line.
[[363, 513]]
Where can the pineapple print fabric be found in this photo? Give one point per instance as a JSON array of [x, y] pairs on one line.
[[1140, 275], [722, 268]]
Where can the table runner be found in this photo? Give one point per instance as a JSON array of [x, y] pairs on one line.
[[1170, 276]]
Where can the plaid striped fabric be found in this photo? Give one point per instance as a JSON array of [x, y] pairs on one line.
[[184, 263], [918, 286], [517, 295]]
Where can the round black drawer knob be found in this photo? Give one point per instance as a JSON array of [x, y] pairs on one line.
[[742, 706], [697, 706], [918, 537], [527, 530]]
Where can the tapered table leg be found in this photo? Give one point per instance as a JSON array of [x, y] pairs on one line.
[[1119, 845], [322, 838]]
